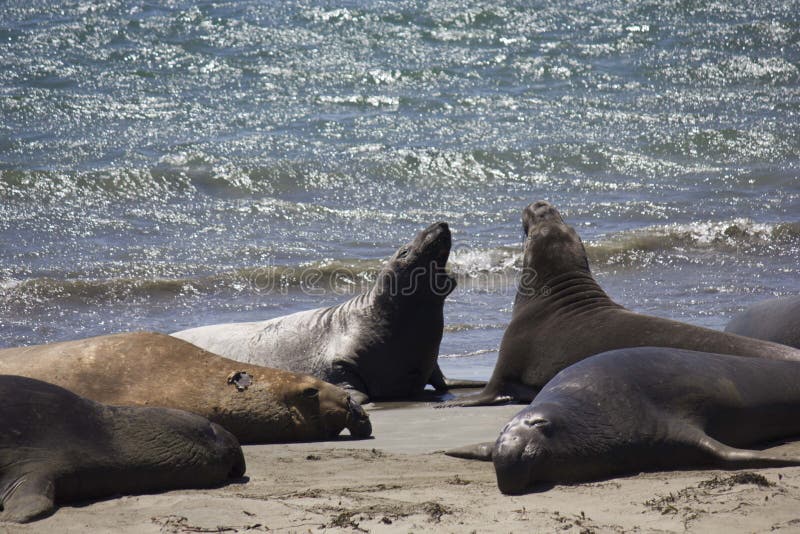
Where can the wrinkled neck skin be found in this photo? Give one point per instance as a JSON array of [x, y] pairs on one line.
[[556, 276], [423, 286], [566, 294], [547, 319], [345, 317]]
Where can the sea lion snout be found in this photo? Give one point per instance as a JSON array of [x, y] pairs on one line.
[[515, 452], [539, 212], [226, 440], [510, 468], [435, 242], [358, 422], [239, 467]]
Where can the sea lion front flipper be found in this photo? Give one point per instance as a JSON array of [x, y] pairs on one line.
[[478, 399], [478, 451], [454, 383], [437, 379], [27, 498], [508, 393], [359, 396], [345, 376], [442, 383]]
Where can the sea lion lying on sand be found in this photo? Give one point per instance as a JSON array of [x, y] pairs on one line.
[[647, 409], [58, 447], [257, 404]]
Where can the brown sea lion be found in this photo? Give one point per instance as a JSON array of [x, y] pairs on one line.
[[257, 404]]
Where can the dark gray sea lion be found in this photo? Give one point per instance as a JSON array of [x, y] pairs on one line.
[[382, 344], [647, 409], [561, 316], [257, 404], [776, 320], [58, 447]]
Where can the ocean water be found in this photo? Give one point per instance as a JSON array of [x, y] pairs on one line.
[[171, 164]]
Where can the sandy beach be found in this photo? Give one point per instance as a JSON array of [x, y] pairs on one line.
[[399, 481]]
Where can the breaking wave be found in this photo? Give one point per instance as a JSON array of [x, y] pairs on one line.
[[350, 277]]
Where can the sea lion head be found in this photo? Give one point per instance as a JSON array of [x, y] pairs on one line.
[[524, 450], [417, 269], [547, 443], [282, 406], [210, 444], [552, 247], [322, 409]]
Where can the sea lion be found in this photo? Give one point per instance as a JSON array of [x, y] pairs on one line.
[[57, 447], [257, 404], [647, 409], [776, 320], [382, 344], [561, 315]]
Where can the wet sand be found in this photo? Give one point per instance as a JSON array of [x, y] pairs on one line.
[[400, 481]]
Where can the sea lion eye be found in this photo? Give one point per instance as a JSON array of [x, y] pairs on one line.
[[403, 252], [310, 393], [537, 422]]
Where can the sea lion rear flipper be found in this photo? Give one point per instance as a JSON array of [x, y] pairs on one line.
[[733, 458], [479, 451], [27, 498]]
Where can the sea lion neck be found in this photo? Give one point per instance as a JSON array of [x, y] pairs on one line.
[[570, 292]]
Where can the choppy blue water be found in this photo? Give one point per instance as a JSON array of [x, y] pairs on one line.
[[160, 162]]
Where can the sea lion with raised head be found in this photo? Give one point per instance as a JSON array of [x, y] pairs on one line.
[[257, 404], [58, 447], [382, 344], [561, 315], [647, 409], [776, 320]]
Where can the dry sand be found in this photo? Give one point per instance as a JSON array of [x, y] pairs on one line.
[[400, 482]]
